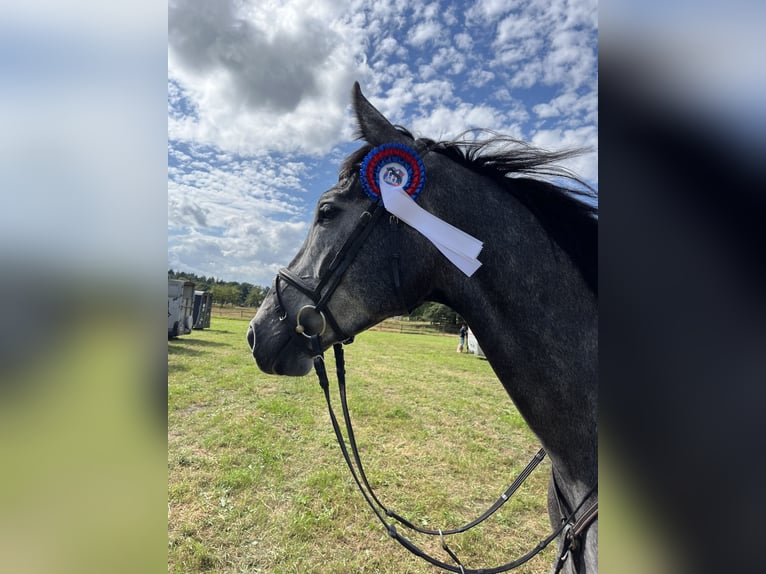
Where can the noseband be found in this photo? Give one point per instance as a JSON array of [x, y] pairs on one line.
[[311, 322]]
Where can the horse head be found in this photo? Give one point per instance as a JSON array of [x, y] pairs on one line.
[[358, 264]]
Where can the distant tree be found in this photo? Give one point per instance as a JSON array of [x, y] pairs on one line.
[[225, 294], [256, 295], [437, 313], [244, 290]]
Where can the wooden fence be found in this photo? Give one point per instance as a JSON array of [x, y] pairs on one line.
[[393, 325]]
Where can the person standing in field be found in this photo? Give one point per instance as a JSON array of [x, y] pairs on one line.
[[463, 335]]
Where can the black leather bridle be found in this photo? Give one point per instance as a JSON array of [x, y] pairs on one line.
[[311, 322]]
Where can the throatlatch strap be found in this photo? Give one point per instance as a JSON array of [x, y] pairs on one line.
[[372, 501]]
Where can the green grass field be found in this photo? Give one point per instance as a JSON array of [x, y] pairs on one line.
[[257, 483]]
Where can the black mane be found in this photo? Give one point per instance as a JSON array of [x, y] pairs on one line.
[[525, 171]]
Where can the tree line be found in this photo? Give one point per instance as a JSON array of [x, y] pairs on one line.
[[248, 295]]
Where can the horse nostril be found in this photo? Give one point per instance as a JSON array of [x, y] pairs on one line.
[[251, 337]]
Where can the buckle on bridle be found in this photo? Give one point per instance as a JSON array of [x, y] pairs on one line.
[[300, 329]]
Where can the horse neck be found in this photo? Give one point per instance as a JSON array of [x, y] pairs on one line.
[[536, 320]]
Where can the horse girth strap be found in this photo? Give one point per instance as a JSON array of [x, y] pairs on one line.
[[359, 476]]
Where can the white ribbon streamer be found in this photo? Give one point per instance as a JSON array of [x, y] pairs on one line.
[[459, 247]]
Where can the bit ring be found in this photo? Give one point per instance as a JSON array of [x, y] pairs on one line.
[[301, 329]]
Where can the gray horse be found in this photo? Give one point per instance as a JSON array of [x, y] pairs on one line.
[[532, 304]]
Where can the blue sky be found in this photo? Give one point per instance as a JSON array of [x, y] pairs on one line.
[[259, 111]]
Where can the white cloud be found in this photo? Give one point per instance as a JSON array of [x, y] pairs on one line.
[[220, 178], [444, 123], [382, 14], [438, 91], [394, 99], [478, 78], [449, 16], [571, 107], [570, 61], [548, 43], [446, 60], [428, 11], [490, 10], [525, 51], [528, 75], [389, 46], [239, 214], [516, 27], [254, 254], [272, 78], [463, 41], [425, 32]]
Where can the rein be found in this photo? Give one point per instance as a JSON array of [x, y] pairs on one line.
[[571, 527]]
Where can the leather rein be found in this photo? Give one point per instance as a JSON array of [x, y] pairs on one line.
[[311, 323]]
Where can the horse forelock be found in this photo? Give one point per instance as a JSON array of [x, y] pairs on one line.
[[353, 162]]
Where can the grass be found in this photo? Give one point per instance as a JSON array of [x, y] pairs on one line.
[[257, 483]]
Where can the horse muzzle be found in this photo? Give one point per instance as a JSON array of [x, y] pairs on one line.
[[276, 349]]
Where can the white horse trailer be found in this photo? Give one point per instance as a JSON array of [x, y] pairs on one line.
[[180, 307]]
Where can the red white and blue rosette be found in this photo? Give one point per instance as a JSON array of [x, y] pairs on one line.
[[394, 174], [395, 164]]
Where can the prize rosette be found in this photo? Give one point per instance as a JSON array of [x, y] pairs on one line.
[[393, 164]]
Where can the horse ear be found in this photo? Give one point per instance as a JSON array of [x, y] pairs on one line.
[[373, 126]]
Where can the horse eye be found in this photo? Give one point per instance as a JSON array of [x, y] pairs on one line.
[[326, 211]]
